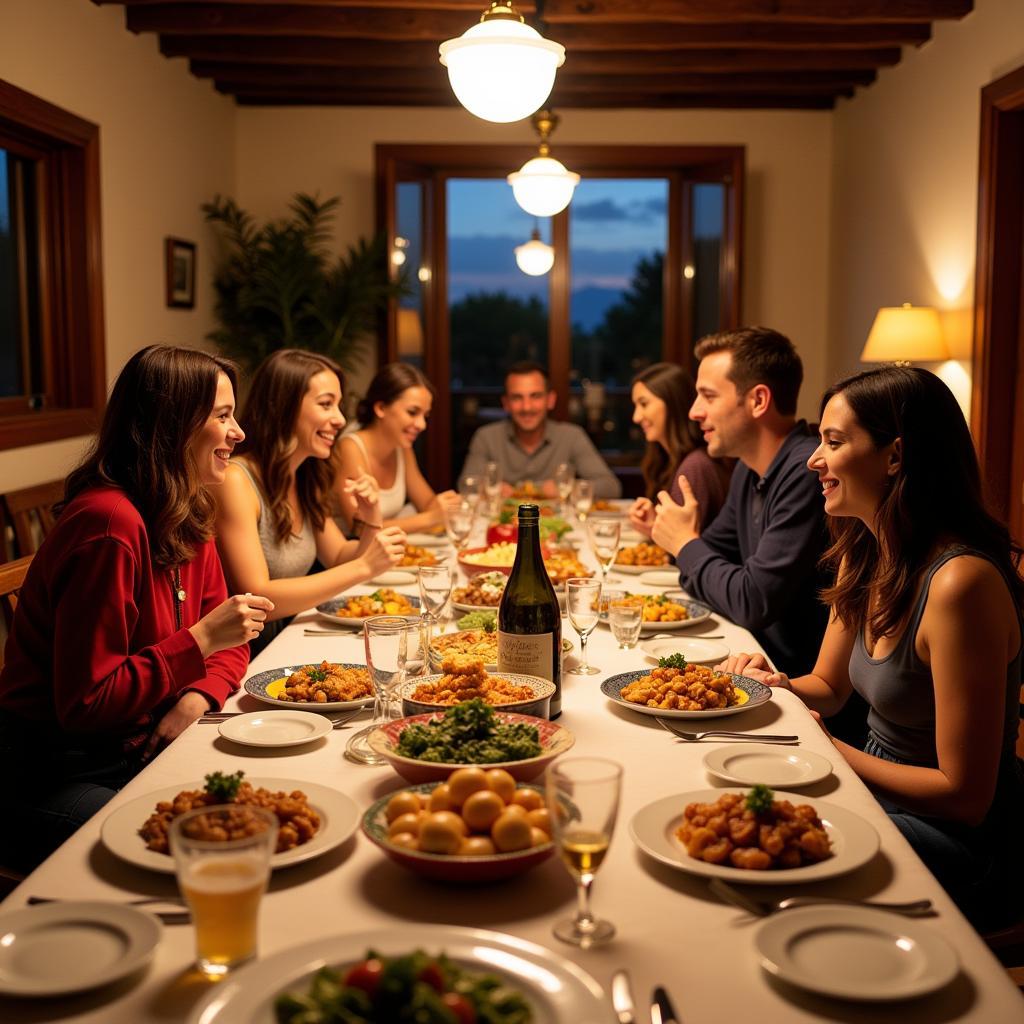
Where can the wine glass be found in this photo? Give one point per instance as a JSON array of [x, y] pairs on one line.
[[604, 532], [471, 489], [626, 620], [492, 487], [458, 523], [583, 801], [564, 478], [435, 592], [582, 602], [582, 498]]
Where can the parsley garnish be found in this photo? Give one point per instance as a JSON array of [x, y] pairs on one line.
[[673, 661], [759, 799], [224, 787]]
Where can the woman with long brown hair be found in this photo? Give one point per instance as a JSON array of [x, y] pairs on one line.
[[123, 633], [662, 396], [926, 625], [271, 512]]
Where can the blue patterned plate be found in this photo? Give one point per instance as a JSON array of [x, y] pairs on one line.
[[329, 610], [268, 686], [755, 694], [696, 612]]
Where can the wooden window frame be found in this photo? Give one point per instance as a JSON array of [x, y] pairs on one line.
[[69, 266]]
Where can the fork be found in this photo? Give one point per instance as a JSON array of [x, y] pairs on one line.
[[182, 916], [753, 737], [763, 908]]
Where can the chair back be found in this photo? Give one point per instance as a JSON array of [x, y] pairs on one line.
[[31, 513], [12, 577]]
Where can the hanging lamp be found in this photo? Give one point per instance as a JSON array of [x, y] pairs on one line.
[[535, 257], [501, 69], [543, 186]]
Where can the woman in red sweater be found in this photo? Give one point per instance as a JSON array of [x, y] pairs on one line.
[[124, 634]]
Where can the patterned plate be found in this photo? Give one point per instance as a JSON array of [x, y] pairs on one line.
[[756, 695], [268, 686], [329, 609], [697, 612]]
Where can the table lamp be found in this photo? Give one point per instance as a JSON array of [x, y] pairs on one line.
[[905, 334]]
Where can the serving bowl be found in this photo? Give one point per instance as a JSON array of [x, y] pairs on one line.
[[554, 740], [476, 569], [539, 704], [452, 640]]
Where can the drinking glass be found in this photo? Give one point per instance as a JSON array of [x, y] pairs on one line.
[[564, 478], [582, 498], [583, 800], [471, 490], [458, 523], [604, 532], [492, 487], [625, 621], [386, 638], [582, 602], [223, 880], [435, 593]]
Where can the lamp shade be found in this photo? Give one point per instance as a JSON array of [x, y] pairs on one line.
[[535, 257], [501, 70], [409, 328], [905, 334], [543, 186]]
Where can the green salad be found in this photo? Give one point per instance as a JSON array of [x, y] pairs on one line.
[[411, 989], [469, 733], [487, 621]]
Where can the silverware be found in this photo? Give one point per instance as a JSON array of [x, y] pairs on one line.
[[332, 632], [622, 998], [762, 908], [753, 737], [216, 718], [662, 1010], [167, 916], [688, 636]]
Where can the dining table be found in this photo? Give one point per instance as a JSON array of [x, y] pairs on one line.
[[671, 929]]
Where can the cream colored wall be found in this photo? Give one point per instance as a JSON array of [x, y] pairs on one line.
[[165, 147], [285, 150], [905, 193]]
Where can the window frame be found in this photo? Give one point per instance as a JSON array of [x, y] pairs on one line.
[[70, 273]]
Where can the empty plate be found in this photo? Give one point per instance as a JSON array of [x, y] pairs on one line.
[[855, 953], [766, 764], [693, 649], [72, 946], [275, 728], [660, 577], [394, 578]]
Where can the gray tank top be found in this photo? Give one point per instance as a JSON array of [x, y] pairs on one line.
[[899, 687], [295, 557]]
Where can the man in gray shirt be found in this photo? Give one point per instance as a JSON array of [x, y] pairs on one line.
[[529, 446]]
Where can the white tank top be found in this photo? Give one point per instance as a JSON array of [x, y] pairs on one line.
[[392, 500]]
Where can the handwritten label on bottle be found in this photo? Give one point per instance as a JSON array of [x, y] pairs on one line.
[[526, 653]]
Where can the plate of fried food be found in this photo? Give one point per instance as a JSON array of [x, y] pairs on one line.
[[480, 592], [676, 689], [464, 677], [756, 836], [416, 556], [639, 558], [328, 686], [313, 818], [476, 643], [661, 611], [351, 610]]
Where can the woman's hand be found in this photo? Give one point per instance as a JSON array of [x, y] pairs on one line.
[[755, 666], [441, 502], [365, 491], [385, 549], [237, 621], [641, 516], [189, 707]]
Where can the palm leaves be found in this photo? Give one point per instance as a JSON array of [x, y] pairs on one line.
[[281, 287]]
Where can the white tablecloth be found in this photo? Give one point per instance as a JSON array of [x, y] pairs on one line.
[[671, 931]]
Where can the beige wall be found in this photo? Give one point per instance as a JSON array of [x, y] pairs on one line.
[[285, 150], [905, 192], [165, 147]]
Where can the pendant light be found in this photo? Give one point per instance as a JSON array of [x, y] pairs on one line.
[[535, 257], [501, 69], [543, 186]]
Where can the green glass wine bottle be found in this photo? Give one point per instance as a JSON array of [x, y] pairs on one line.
[[529, 620]]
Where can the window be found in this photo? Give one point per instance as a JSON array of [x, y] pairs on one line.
[[52, 378]]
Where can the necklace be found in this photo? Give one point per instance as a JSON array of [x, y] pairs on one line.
[[179, 594]]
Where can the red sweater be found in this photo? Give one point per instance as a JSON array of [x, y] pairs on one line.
[[95, 649]]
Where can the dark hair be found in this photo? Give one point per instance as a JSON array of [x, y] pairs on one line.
[[386, 387], [271, 410], [159, 402], [759, 356], [935, 497], [525, 366], [674, 386]]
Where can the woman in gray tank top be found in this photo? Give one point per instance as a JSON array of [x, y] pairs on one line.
[[926, 626], [271, 511]]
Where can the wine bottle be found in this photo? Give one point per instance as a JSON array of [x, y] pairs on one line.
[[529, 621]]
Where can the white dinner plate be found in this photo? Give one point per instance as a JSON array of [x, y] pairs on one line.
[[459, 606], [856, 953], [653, 828], [394, 578], [641, 570], [267, 687], [72, 946], [427, 540], [631, 536], [751, 763], [660, 577], [327, 609], [339, 818], [556, 988], [694, 649], [757, 694], [275, 728]]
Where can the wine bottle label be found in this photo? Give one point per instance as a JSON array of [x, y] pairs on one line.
[[529, 654]]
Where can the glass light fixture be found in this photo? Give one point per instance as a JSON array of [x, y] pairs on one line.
[[535, 257], [543, 186], [501, 69]]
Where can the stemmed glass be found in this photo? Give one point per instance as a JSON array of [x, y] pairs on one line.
[[583, 800], [471, 489], [582, 498], [604, 533], [492, 487], [564, 478], [435, 593], [582, 603], [458, 523]]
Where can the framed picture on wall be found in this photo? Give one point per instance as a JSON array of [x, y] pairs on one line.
[[180, 272]]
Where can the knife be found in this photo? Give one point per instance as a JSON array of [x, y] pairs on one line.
[[622, 998], [662, 1010]]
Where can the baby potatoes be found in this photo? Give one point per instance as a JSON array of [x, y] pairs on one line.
[[475, 813]]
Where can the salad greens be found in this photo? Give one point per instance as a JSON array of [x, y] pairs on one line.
[[469, 733], [487, 621]]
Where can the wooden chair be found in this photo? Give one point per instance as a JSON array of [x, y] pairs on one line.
[[31, 513]]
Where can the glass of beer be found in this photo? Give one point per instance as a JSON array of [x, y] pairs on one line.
[[222, 859]]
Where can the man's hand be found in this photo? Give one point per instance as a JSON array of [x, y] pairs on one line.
[[676, 525], [189, 707], [641, 516]]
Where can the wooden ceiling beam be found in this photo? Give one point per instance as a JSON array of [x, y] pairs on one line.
[[469, 7]]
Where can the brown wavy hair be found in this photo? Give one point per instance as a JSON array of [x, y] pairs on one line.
[[675, 387], [160, 400], [271, 411], [935, 499], [387, 386]]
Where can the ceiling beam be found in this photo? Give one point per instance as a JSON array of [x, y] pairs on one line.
[[840, 11], [470, 7]]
